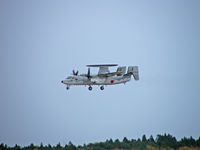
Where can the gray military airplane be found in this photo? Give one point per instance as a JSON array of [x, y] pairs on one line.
[[104, 76]]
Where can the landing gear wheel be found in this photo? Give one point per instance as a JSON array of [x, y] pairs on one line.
[[67, 88], [102, 87], [90, 88]]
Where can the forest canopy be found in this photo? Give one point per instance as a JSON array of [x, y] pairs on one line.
[[161, 142]]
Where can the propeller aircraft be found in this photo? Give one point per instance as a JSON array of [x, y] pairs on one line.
[[104, 76]]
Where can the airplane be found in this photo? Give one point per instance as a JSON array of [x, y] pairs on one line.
[[104, 76]]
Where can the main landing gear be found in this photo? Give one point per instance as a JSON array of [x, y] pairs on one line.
[[67, 88], [90, 88], [102, 87]]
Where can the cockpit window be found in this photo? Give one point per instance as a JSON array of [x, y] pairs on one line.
[[69, 77]]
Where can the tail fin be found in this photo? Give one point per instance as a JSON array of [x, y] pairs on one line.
[[134, 71], [122, 70]]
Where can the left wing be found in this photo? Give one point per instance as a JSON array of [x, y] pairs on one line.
[[103, 69]]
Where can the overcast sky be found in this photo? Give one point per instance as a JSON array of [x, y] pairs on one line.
[[41, 42]]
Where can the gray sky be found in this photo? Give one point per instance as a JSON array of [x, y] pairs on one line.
[[41, 42]]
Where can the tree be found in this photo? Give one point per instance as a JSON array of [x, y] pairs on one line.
[[151, 139], [71, 146], [31, 146], [133, 143], [144, 139], [117, 143], [125, 140], [188, 142], [2, 147], [41, 146], [17, 147], [109, 144], [166, 141], [49, 146], [58, 146], [66, 146], [110, 141], [6, 146], [125, 144], [138, 140], [192, 142], [198, 142]]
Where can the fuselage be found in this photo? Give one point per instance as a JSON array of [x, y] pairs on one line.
[[95, 80]]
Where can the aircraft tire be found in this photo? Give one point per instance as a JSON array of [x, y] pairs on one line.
[[102, 87], [67, 88], [90, 88]]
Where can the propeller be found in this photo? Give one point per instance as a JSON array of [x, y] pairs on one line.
[[75, 73], [88, 74]]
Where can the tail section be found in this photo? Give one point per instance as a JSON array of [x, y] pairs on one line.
[[134, 71], [122, 70]]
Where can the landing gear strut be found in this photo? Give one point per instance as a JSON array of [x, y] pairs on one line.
[[90, 88], [102, 87]]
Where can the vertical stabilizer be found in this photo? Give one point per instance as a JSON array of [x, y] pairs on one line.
[[122, 70], [134, 71]]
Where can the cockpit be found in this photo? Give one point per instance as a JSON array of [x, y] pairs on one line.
[[70, 77]]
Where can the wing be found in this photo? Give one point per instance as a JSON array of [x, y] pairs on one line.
[[103, 69]]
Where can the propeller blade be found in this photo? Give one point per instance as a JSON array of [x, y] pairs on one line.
[[75, 73], [88, 75]]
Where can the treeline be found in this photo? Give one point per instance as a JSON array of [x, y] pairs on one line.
[[162, 142]]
